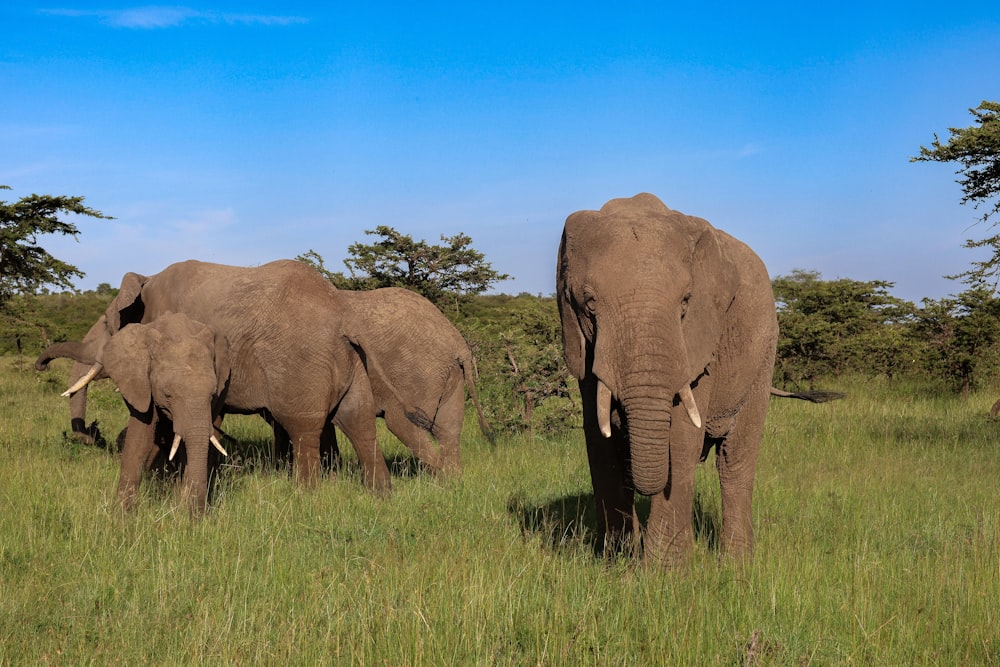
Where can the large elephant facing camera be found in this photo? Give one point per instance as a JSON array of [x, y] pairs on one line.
[[669, 326], [291, 354]]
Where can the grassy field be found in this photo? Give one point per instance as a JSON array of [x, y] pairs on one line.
[[878, 543]]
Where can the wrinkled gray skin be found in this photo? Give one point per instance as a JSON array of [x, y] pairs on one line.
[[422, 357], [174, 370], [291, 357], [653, 302]]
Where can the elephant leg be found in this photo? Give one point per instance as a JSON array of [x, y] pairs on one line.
[[135, 454], [78, 410], [305, 450], [329, 450], [737, 463], [356, 418], [281, 455], [617, 521], [448, 423], [417, 439], [669, 538]]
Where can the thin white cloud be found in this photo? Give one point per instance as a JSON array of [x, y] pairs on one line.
[[156, 16], [750, 150]]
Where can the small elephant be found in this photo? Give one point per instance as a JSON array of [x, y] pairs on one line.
[[669, 326], [172, 372]]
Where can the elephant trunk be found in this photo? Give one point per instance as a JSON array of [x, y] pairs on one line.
[[77, 351], [195, 488], [197, 438], [646, 384], [648, 419], [647, 399]]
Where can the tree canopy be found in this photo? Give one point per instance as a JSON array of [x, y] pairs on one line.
[[24, 265], [442, 273], [958, 334], [829, 327], [977, 150]]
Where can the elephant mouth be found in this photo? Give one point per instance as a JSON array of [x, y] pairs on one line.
[[177, 443], [604, 407]]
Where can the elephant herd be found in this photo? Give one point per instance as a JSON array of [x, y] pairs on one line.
[[668, 324]]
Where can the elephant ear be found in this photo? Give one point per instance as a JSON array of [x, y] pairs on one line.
[[574, 343], [127, 306], [127, 361], [222, 366], [714, 280]]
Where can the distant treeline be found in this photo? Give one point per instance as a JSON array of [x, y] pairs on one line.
[[32, 322]]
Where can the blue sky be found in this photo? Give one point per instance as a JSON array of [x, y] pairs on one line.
[[241, 132]]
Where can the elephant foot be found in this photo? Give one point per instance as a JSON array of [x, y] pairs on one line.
[[738, 553], [452, 467], [127, 498], [380, 488], [673, 555], [82, 438], [196, 501]]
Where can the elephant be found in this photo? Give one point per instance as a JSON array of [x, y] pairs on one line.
[[291, 357], [424, 358], [669, 326], [172, 372]]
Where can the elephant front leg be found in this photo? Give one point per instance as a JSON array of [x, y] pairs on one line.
[[669, 537], [617, 521], [737, 463], [135, 452]]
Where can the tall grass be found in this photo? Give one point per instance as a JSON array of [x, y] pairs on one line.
[[878, 542]]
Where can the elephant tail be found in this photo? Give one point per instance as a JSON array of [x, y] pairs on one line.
[[468, 365], [818, 396]]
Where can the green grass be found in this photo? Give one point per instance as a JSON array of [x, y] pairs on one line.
[[878, 543]]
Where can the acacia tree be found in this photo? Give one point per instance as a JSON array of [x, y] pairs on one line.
[[977, 150], [442, 273], [25, 266]]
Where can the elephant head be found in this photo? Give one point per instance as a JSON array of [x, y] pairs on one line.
[[643, 293], [172, 368]]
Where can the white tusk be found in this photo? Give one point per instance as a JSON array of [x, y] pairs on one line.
[[177, 443], [218, 445], [85, 380], [687, 399], [604, 409]]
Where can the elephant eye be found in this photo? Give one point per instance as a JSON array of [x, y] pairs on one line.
[[589, 301], [684, 305]]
